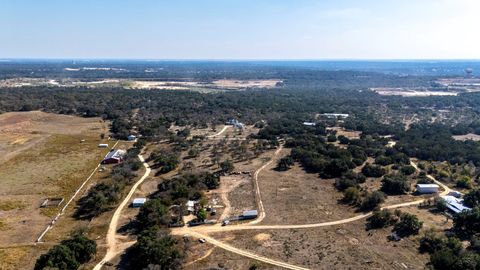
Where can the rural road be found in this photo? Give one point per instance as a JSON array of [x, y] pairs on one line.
[[258, 195], [202, 232], [219, 133], [112, 249]]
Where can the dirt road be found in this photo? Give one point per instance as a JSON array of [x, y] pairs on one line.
[[219, 133], [112, 248], [202, 232], [258, 195]]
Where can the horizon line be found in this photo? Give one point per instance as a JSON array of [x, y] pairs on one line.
[[6, 59]]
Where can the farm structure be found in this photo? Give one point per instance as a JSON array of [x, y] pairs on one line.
[[455, 204], [427, 188], [249, 214], [138, 202], [335, 115], [310, 124], [235, 123], [114, 156]]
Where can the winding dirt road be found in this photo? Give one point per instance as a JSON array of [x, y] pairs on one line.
[[258, 195], [112, 248]]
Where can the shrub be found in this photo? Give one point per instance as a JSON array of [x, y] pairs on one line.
[[373, 170], [332, 138], [351, 195], [68, 255], [407, 170], [153, 213], [284, 163], [472, 198], [408, 225], [381, 219], [157, 250], [372, 200], [395, 185], [227, 166]]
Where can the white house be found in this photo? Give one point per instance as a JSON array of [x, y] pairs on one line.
[[427, 188], [132, 137]]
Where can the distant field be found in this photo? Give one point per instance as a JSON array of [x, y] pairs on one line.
[[186, 84], [41, 155], [408, 92]]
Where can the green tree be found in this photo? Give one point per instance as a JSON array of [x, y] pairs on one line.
[[472, 198], [83, 248], [202, 214], [351, 195], [59, 257], [408, 225], [285, 163], [381, 219], [372, 200], [153, 213], [395, 185], [156, 248]]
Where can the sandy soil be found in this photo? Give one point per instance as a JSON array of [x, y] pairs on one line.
[[470, 136], [411, 92], [237, 84]]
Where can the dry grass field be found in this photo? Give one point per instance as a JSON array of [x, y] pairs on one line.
[[347, 246], [296, 197], [42, 155]]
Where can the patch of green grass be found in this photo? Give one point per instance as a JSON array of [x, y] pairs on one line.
[[11, 205]]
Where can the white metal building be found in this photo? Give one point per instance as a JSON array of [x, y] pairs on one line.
[[138, 202], [427, 188]]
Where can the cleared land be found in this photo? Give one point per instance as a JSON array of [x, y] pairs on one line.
[[409, 92], [470, 136], [42, 155], [187, 84]]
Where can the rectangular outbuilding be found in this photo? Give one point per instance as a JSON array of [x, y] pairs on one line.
[[249, 214], [103, 145], [138, 202], [114, 156], [427, 188]]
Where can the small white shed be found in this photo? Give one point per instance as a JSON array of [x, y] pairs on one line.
[[427, 188], [138, 202]]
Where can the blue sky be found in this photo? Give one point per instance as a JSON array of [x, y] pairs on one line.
[[240, 29]]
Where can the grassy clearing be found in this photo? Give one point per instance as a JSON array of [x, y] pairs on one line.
[[11, 205]]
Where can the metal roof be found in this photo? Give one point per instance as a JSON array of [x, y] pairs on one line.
[[250, 213], [139, 200], [428, 186]]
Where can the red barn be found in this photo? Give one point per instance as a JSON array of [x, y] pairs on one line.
[[114, 156]]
